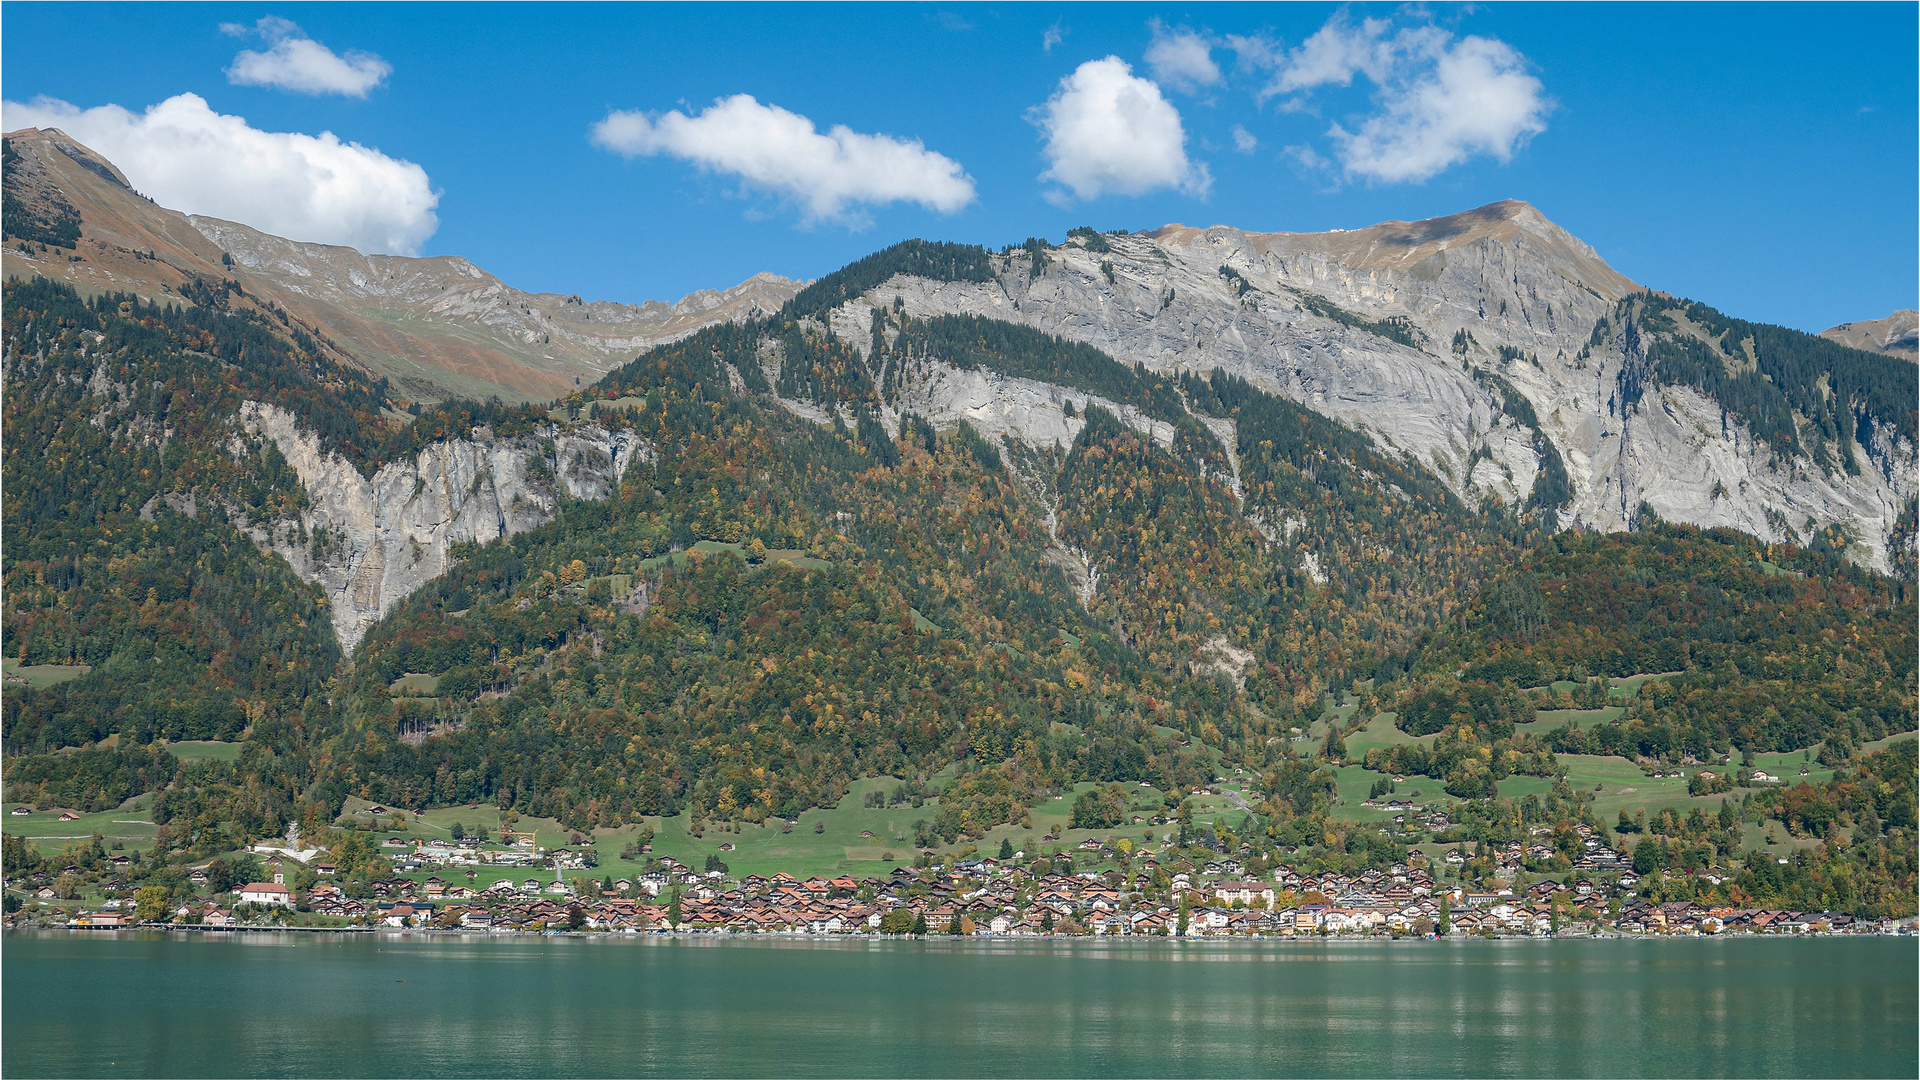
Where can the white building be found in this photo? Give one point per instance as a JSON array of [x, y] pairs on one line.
[[264, 893]]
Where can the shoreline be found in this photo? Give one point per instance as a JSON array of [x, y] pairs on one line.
[[395, 933]]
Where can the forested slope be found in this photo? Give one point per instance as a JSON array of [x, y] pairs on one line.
[[770, 607]]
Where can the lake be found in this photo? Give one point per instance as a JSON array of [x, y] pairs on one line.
[[376, 1005]]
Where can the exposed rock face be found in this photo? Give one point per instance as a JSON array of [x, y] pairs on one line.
[[1896, 335], [1528, 293], [369, 543], [996, 404]]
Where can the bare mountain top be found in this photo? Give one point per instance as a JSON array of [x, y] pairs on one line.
[[1896, 335], [437, 327], [1406, 245]]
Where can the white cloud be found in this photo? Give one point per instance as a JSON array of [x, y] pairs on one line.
[[1253, 52], [1110, 132], [1337, 51], [1441, 100], [1243, 140], [303, 187], [1051, 36], [773, 149], [296, 62], [1181, 58]]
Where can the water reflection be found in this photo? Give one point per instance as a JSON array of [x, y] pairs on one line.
[[379, 1006]]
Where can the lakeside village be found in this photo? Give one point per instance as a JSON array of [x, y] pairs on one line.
[[1102, 887]]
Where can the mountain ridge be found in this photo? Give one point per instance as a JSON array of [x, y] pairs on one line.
[[1896, 335], [438, 327], [1415, 352]]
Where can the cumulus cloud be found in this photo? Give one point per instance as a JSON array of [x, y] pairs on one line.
[[1110, 132], [293, 61], [769, 148], [1440, 100], [303, 187], [1181, 58], [1243, 140]]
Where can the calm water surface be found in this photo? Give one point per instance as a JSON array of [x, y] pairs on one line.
[[313, 1005]]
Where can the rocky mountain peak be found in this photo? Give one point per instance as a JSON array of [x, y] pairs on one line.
[[1896, 335]]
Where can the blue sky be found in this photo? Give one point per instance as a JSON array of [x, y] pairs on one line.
[[1761, 158]]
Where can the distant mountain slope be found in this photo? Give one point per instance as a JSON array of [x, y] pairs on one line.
[[1896, 335], [437, 327], [1491, 346]]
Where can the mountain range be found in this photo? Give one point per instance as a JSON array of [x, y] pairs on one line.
[[437, 328], [1124, 506]]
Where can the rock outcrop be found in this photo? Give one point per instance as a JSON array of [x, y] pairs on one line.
[[1385, 328], [370, 543]]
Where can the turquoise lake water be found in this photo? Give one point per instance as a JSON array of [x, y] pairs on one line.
[[367, 1005]]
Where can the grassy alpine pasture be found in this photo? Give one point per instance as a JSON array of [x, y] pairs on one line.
[[1549, 719], [39, 675], [1382, 731], [1353, 781], [415, 684], [786, 555], [204, 750]]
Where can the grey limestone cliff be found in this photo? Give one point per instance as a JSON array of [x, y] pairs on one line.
[[1385, 328], [370, 542]]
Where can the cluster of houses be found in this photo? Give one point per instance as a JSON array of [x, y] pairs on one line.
[[986, 897]]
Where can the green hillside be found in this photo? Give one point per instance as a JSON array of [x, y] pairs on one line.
[[769, 615]]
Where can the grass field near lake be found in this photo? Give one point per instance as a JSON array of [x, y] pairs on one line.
[[128, 823]]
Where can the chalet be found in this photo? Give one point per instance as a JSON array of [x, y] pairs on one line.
[[99, 920], [68, 815], [264, 892], [21, 811], [325, 869]]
